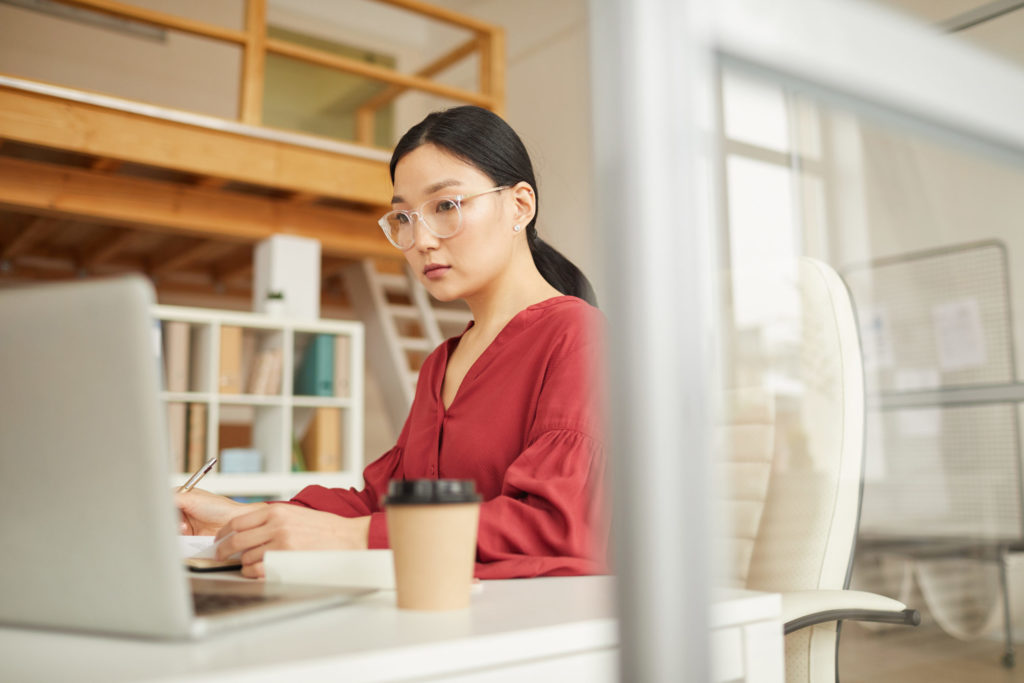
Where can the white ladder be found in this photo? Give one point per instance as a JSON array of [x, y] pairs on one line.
[[387, 348]]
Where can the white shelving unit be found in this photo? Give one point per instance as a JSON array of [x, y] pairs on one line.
[[276, 419]]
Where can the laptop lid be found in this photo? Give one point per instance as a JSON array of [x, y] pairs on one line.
[[87, 519]]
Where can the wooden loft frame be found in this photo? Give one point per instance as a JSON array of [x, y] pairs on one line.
[[93, 184], [488, 43]]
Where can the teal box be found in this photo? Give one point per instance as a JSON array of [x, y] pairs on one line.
[[315, 376], [240, 460]]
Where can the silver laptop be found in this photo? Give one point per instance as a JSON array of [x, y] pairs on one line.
[[87, 518]]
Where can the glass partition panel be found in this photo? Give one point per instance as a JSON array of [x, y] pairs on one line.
[[924, 230]]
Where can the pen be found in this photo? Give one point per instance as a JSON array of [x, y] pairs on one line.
[[197, 477]]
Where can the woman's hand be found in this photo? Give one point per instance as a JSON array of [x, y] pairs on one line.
[[288, 527], [204, 513]]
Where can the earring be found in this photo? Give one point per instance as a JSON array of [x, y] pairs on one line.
[[517, 227]]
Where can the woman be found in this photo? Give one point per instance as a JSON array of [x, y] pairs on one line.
[[512, 403]]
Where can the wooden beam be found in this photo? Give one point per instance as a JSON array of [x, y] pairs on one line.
[[215, 289], [365, 126], [303, 197], [250, 107], [374, 72], [182, 257], [161, 19], [63, 258], [35, 273], [28, 237], [211, 183], [51, 121], [105, 249], [492, 69], [66, 271], [104, 165], [234, 266], [441, 14], [46, 189], [429, 71], [333, 267]]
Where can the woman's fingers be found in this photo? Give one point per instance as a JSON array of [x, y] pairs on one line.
[[242, 541], [281, 527], [253, 571], [249, 520], [254, 555]]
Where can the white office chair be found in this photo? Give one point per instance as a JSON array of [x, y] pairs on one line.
[[747, 444], [806, 524]]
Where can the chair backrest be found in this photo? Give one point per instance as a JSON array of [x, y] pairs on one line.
[[745, 449], [809, 525]]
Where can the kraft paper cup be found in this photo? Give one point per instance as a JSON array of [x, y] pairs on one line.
[[432, 527]]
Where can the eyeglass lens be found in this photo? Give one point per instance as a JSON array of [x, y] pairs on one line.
[[441, 215]]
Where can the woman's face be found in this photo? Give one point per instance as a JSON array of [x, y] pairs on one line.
[[463, 265]]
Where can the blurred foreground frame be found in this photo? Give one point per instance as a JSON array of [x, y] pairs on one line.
[[654, 66]]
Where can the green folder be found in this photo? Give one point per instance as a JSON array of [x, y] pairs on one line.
[[315, 376]]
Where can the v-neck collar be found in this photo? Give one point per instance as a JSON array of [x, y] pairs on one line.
[[519, 322]]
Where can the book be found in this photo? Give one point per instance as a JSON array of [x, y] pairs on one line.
[[341, 365], [200, 358], [298, 458], [274, 373], [229, 371], [321, 445], [176, 355], [315, 376], [248, 356], [176, 431], [265, 377], [196, 436]]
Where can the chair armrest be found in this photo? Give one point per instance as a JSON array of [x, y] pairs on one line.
[[801, 609]]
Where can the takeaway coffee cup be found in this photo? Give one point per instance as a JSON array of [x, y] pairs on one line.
[[432, 531]]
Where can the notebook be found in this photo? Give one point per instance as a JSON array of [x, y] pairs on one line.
[[87, 516]]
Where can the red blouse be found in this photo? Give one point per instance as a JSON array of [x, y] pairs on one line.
[[526, 426]]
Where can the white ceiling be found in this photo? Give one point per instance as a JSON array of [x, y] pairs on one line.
[[371, 25], [934, 11], [1001, 35]]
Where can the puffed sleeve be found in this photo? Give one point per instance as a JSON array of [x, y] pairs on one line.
[[549, 519]]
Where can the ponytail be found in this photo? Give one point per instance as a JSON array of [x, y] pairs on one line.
[[483, 139], [560, 272]]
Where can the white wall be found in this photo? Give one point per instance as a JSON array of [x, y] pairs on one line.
[[181, 72], [548, 104]]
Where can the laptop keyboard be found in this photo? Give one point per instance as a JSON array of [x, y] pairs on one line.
[[213, 603]]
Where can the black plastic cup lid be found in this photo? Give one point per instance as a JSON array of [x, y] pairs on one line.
[[431, 491]]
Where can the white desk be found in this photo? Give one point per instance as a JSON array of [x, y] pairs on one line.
[[535, 629], [746, 637]]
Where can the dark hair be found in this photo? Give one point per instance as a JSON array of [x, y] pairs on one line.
[[483, 139]]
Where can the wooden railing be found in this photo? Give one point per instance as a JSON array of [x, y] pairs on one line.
[[488, 43]]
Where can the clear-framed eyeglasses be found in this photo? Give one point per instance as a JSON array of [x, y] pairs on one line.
[[442, 216]]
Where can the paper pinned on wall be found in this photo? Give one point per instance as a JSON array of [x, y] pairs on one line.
[[920, 422], [916, 379], [959, 335], [876, 337]]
